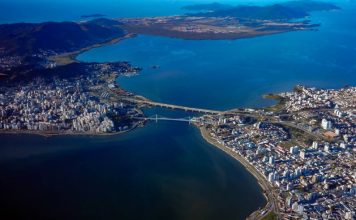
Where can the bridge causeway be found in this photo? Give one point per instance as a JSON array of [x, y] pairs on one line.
[[160, 118], [190, 120], [174, 107]]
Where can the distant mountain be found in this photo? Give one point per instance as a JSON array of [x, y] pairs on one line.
[[272, 12], [24, 39], [310, 6], [283, 11], [207, 7], [93, 16]]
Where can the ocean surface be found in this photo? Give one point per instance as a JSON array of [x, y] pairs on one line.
[[166, 170], [162, 171], [225, 74]]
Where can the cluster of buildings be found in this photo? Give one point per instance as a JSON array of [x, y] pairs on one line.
[[311, 179], [6, 62], [328, 113], [62, 105], [209, 25], [312, 98]]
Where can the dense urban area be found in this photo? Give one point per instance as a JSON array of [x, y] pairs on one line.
[[304, 151], [301, 150], [83, 104]]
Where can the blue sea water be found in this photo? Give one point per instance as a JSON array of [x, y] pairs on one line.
[[165, 170], [162, 171], [226, 74]]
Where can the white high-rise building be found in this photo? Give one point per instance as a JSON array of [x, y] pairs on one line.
[[302, 154], [327, 148], [325, 124], [315, 145], [294, 150], [295, 206], [272, 177], [271, 160], [289, 201]]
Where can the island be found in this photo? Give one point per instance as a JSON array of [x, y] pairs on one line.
[[219, 21], [210, 28]]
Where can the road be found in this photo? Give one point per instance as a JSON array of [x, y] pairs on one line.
[[171, 106]]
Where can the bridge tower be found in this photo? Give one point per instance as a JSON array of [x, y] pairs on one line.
[[156, 118]]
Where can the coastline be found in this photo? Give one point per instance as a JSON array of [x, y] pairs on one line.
[[271, 204], [71, 57], [205, 36], [67, 133]]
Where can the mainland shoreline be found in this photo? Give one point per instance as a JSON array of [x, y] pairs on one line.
[[271, 201], [71, 57], [48, 134]]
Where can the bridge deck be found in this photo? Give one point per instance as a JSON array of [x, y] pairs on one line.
[[184, 108]]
